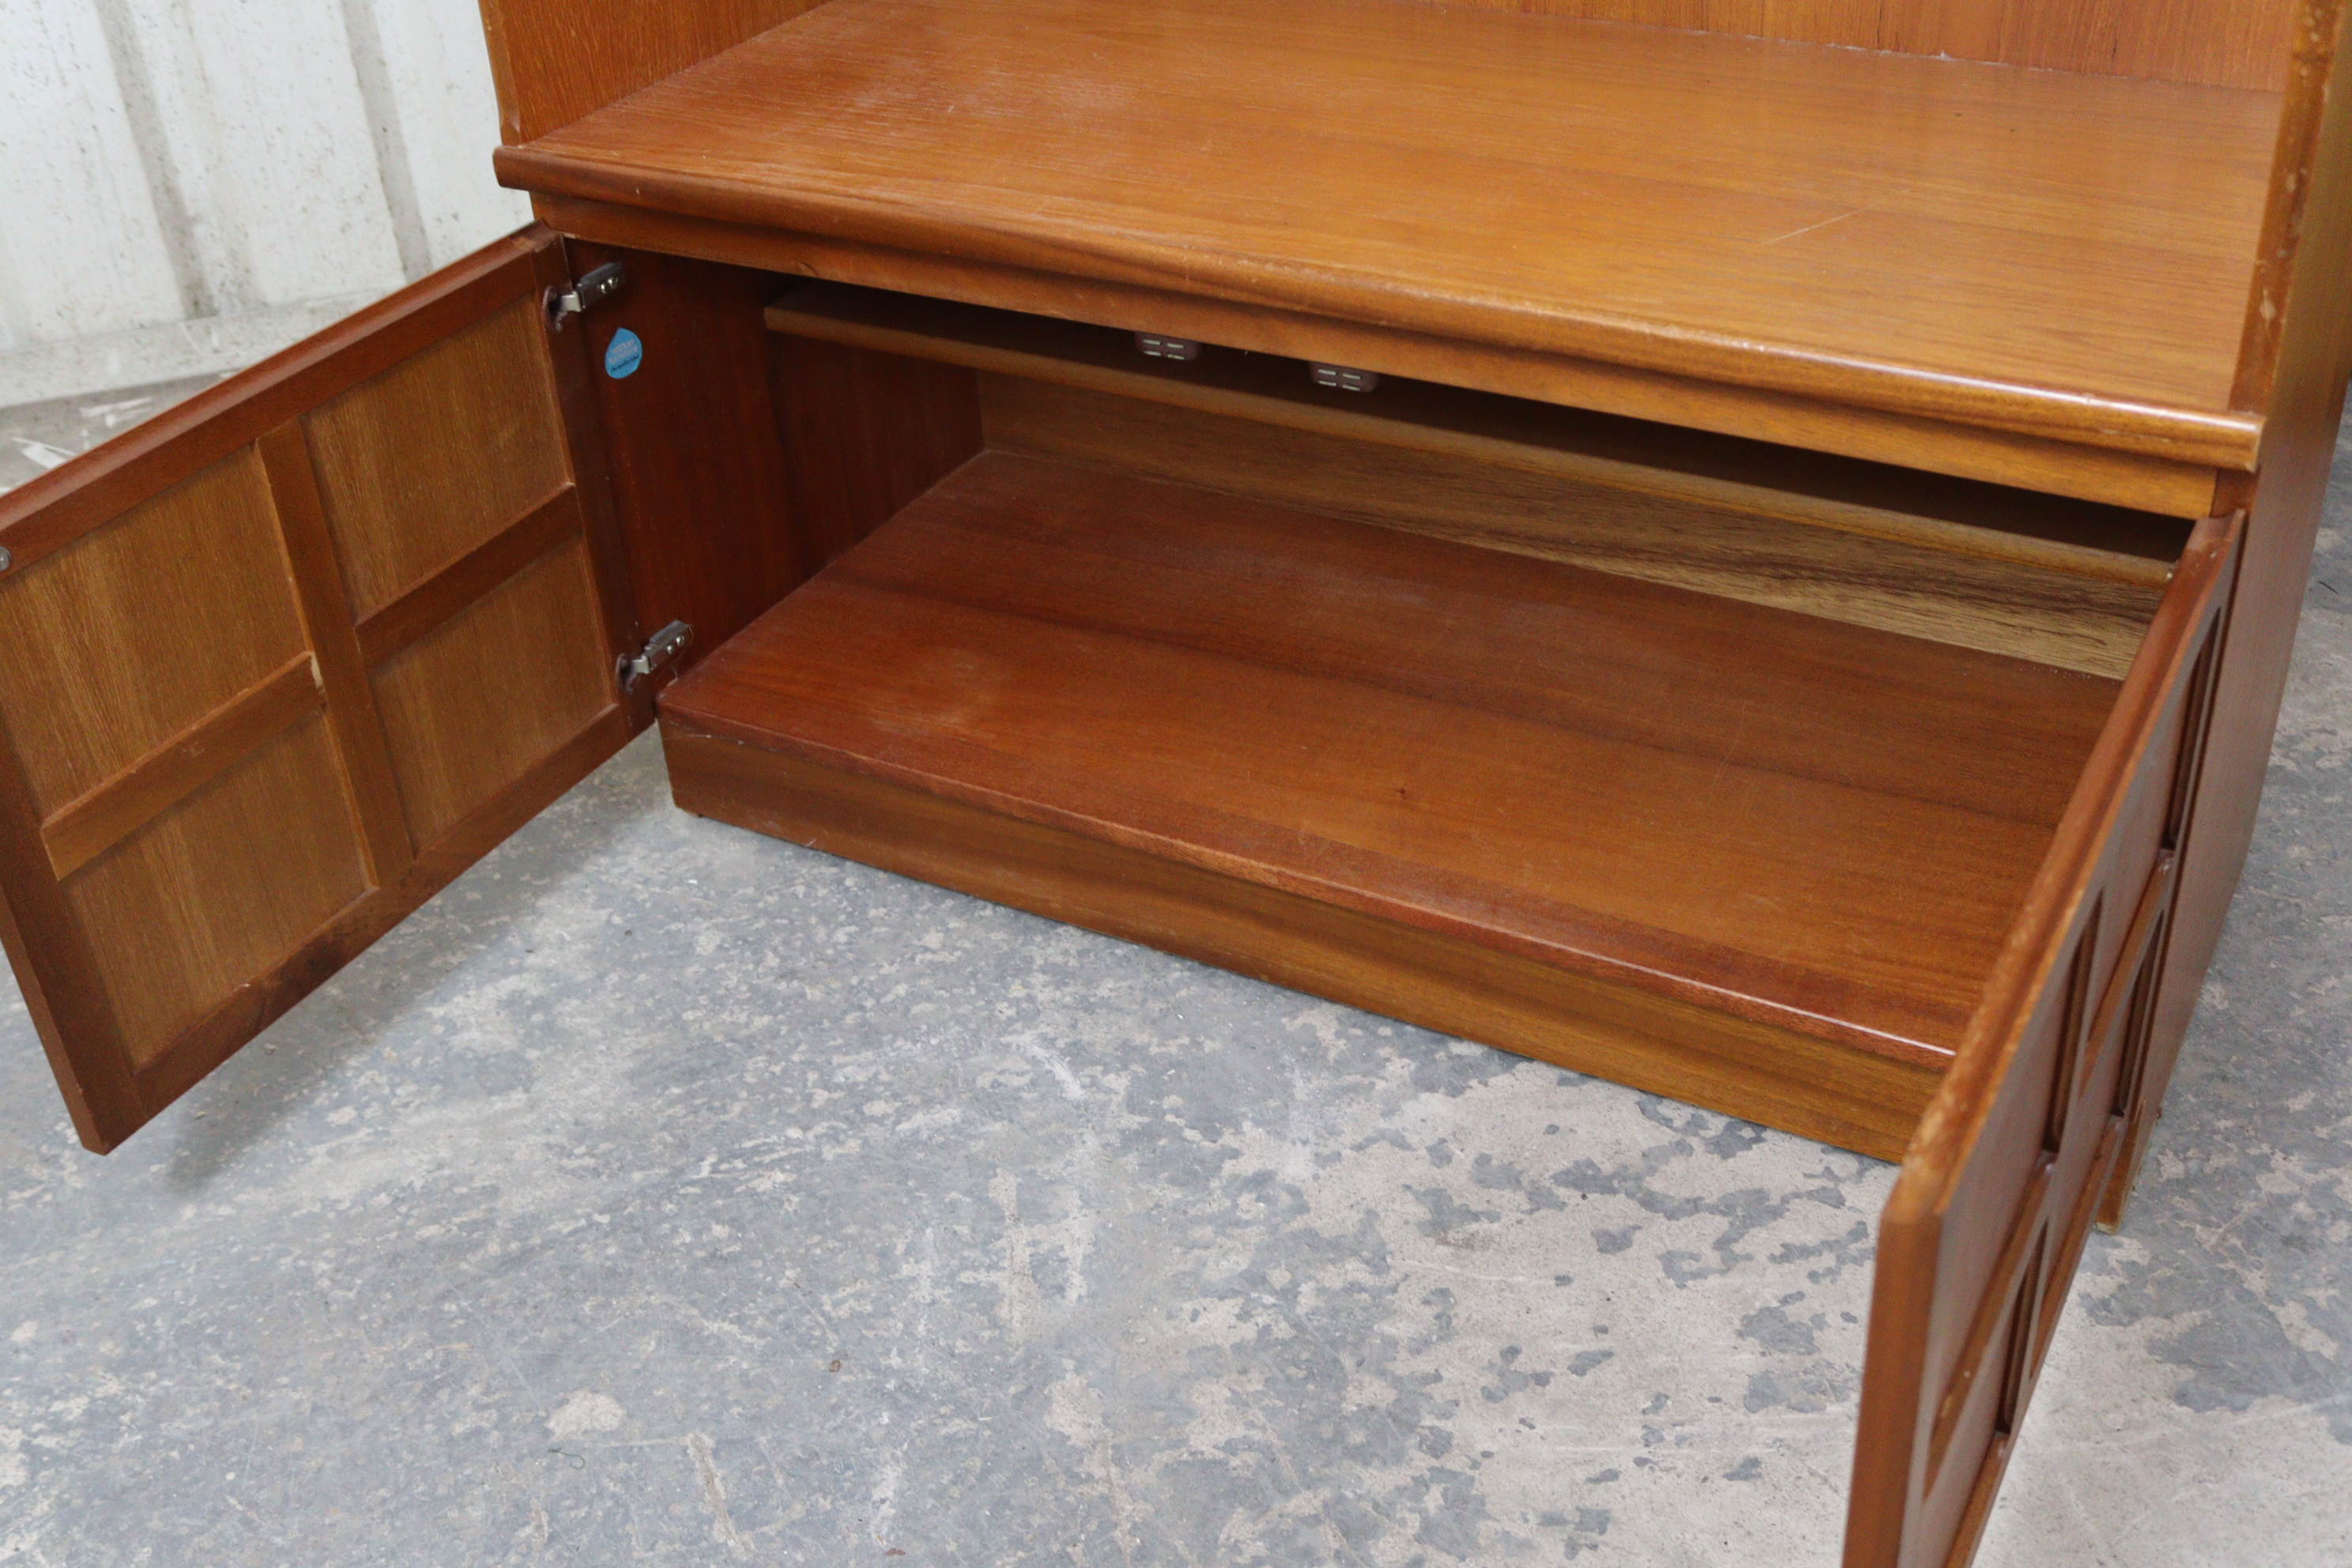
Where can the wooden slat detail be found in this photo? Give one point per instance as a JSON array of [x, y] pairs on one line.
[[2174, 487], [422, 610], [184, 912], [1922, 582], [1996, 1298], [343, 671], [189, 707], [1779, 1077], [86, 827]]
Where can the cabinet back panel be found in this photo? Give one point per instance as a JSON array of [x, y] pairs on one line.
[[2090, 621], [2223, 43], [864, 434]]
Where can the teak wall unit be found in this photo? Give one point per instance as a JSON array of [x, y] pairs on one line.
[[1797, 624]]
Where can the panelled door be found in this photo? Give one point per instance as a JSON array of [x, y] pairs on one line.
[[1981, 1236], [283, 662]]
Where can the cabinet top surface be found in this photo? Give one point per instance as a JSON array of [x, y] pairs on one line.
[[2059, 254]]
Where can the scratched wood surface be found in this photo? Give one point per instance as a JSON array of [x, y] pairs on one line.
[[2228, 43]]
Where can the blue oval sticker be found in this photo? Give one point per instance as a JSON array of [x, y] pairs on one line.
[[623, 355]]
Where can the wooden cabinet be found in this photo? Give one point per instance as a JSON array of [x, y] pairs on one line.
[[1760, 567]]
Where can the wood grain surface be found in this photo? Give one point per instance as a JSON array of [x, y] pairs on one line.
[[2052, 463], [2029, 251], [2230, 43], [208, 798], [2073, 608], [1772, 480], [1818, 827], [553, 62], [1661, 1043]]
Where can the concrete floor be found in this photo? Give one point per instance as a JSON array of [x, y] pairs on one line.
[[662, 1192], [38, 437]]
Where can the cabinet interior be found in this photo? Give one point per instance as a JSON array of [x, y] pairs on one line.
[[1771, 740]]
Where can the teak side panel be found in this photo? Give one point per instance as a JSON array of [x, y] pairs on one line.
[[1980, 1239], [206, 807], [2228, 43], [554, 60], [1775, 217], [702, 498], [2297, 355]]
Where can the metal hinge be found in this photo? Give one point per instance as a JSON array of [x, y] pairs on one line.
[[1343, 378], [1159, 345], [586, 294], [660, 648]]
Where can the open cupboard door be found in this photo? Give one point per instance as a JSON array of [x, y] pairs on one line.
[[1980, 1240], [283, 662]]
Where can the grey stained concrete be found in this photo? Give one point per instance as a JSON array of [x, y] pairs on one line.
[[38, 437], [666, 1192]]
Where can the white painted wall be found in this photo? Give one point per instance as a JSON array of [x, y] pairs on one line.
[[187, 186]]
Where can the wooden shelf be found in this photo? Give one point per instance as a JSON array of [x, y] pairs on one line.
[[1783, 823], [1956, 245]]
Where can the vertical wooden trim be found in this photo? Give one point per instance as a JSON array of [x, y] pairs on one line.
[[59, 974], [591, 479], [2302, 136], [351, 716], [2297, 355]]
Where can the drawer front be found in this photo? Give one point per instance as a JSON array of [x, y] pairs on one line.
[[1980, 1241]]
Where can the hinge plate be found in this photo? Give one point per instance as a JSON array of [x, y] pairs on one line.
[[589, 291], [660, 649], [1343, 379], [1160, 345]]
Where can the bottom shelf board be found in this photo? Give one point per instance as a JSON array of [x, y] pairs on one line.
[[1755, 859]]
